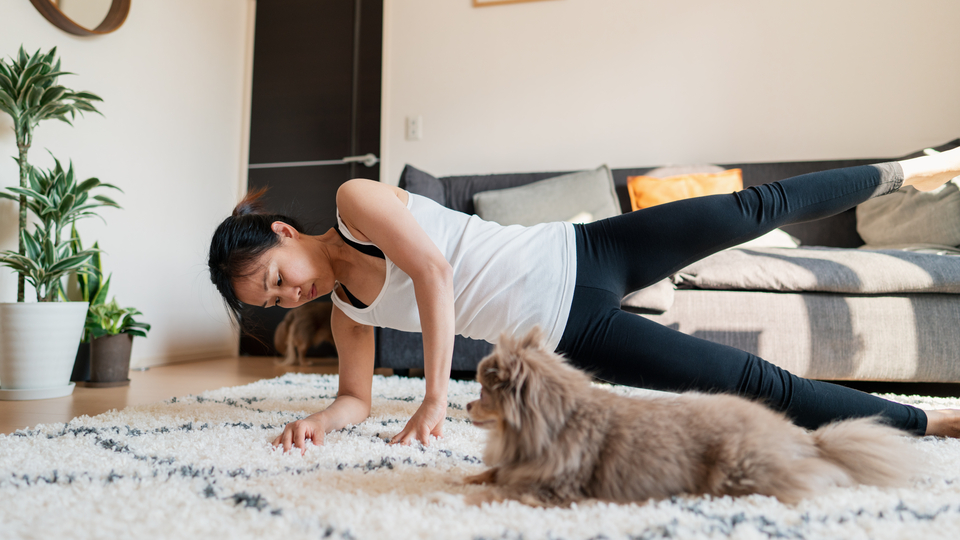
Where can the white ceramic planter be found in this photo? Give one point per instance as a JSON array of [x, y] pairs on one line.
[[38, 346]]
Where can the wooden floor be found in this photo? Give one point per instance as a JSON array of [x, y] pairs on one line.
[[154, 384]]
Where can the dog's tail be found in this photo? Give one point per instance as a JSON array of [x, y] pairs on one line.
[[870, 452]]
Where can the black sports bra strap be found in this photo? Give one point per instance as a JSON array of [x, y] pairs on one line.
[[373, 251], [354, 301]]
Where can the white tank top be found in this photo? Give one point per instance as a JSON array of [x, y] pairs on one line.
[[505, 279]]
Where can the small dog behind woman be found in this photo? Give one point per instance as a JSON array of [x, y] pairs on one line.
[[302, 328], [556, 439]]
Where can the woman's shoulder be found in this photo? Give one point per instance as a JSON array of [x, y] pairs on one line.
[[360, 195], [362, 189]]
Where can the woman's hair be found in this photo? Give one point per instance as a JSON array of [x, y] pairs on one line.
[[237, 245]]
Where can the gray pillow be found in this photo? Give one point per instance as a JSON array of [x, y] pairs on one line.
[[416, 181], [581, 196], [908, 216]]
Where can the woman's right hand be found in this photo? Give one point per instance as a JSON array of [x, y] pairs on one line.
[[296, 434]]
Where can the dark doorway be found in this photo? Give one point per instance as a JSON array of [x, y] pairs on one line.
[[315, 102]]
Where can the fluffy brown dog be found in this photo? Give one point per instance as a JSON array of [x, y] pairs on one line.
[[304, 327], [556, 439]]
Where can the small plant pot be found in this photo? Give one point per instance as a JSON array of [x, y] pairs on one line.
[[81, 367], [110, 361]]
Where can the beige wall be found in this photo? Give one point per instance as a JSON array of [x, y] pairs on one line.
[[568, 84], [172, 136]]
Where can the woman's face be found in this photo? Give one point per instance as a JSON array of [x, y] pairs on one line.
[[288, 275]]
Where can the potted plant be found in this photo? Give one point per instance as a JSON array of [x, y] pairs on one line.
[[103, 359], [38, 340], [111, 329], [90, 287]]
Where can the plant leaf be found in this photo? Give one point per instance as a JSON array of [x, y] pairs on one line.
[[70, 263], [52, 94], [49, 253], [101, 295], [88, 184], [87, 96], [66, 204], [31, 246], [30, 193], [106, 200]]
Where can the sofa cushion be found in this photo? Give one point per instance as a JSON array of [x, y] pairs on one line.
[[656, 298], [908, 216], [580, 196], [777, 238], [416, 181], [646, 191], [835, 270]]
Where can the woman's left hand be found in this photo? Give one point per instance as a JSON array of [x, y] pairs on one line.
[[428, 420]]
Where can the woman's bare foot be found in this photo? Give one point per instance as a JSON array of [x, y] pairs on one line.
[[943, 423], [932, 171]]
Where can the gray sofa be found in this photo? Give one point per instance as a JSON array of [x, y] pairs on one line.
[[825, 310]]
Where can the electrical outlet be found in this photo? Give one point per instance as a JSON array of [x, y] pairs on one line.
[[414, 128]]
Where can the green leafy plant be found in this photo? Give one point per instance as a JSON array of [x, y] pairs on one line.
[[111, 319], [90, 283], [91, 286], [57, 199], [30, 94]]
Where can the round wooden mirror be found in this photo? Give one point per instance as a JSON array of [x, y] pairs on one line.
[[84, 17]]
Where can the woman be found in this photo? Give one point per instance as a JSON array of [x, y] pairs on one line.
[[403, 261]]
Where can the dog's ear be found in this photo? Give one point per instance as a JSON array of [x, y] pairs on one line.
[[510, 350], [533, 339], [513, 388], [503, 373]]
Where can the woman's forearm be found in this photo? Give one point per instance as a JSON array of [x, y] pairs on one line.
[[435, 300]]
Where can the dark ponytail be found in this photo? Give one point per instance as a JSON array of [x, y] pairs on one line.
[[237, 245]]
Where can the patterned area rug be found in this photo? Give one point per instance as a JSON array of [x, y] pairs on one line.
[[202, 466]]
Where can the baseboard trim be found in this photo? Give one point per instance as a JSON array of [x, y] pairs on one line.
[[180, 358]]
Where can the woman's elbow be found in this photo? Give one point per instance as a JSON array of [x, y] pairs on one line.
[[444, 274], [438, 274]]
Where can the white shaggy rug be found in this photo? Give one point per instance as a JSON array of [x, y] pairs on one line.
[[202, 467]]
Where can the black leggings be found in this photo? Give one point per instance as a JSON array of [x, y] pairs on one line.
[[626, 253]]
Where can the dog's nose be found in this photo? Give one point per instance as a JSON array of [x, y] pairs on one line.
[[469, 406]]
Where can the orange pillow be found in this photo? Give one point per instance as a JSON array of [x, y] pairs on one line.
[[647, 191]]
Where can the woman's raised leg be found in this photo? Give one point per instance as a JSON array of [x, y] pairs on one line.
[[650, 244], [653, 243]]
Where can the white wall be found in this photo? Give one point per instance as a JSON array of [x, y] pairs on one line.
[[172, 136], [87, 13], [568, 84]]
